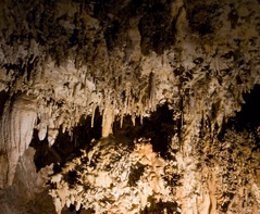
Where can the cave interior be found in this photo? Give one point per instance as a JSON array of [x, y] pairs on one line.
[[129, 106]]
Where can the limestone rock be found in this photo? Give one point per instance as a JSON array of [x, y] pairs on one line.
[[16, 128]]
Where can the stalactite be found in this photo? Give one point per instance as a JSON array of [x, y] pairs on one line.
[[93, 115], [133, 119], [107, 119], [42, 131], [16, 128]]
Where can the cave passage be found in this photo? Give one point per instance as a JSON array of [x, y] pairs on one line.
[[159, 127], [249, 116], [3, 99], [66, 146]]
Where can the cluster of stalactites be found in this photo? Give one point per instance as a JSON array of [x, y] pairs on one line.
[[200, 77]]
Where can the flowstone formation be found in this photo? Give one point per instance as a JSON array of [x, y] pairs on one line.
[[66, 61]]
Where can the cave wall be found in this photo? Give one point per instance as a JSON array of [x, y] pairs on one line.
[[27, 194], [61, 60]]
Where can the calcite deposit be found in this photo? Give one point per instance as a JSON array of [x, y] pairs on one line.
[[115, 178], [67, 61]]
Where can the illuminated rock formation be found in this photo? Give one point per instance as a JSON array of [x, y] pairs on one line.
[[64, 62]]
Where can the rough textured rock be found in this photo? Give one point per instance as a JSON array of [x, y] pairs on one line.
[[113, 177], [117, 176], [61, 60], [28, 192]]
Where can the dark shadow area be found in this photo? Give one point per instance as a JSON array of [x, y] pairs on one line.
[[3, 98], [160, 207], [159, 127], [249, 116], [196, 13], [66, 146]]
